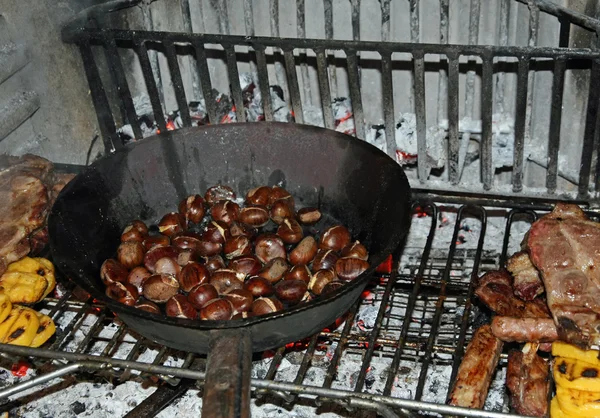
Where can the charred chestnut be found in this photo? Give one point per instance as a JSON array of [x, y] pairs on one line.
[[191, 275], [335, 238], [279, 193], [155, 254], [263, 306], [137, 277], [320, 279], [192, 208], [254, 216], [148, 306], [167, 265], [246, 264], [202, 294], [259, 196], [269, 246], [123, 293], [332, 287], [216, 231], [274, 270], [324, 259], [225, 211], [130, 254], [356, 250], [309, 216], [259, 286], [214, 263], [159, 288], [179, 307], [156, 241], [217, 310], [219, 192], [237, 246], [226, 280], [291, 291], [348, 269], [240, 299], [298, 272], [171, 224], [112, 271], [281, 210], [304, 252], [290, 231]]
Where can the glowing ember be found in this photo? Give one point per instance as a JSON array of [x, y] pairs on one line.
[[420, 212], [19, 369], [386, 266], [405, 157]]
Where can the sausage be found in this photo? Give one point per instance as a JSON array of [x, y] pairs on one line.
[[511, 329]]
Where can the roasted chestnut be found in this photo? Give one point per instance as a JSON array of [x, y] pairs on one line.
[[179, 307], [259, 286], [216, 231], [131, 233], [217, 310], [259, 196], [237, 246], [331, 287], [246, 264], [291, 291], [159, 288], [254, 216], [274, 270], [202, 294], [225, 211], [290, 231], [324, 259], [187, 256], [214, 263], [192, 208], [156, 253], [130, 254], [243, 315], [171, 224], [167, 265], [356, 250], [123, 293], [269, 246], [281, 210], [320, 279], [298, 272], [148, 306], [348, 268], [191, 275], [225, 280], [140, 226], [238, 228], [240, 299], [112, 271], [309, 216], [219, 192], [187, 241], [137, 277], [263, 306], [279, 193], [304, 252], [208, 248], [335, 238], [156, 241]]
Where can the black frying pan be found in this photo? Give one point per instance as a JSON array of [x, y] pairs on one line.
[[353, 182]]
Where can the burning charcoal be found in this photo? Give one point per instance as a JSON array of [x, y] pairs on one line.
[[78, 407]]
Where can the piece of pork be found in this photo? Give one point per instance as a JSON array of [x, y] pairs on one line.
[[527, 379], [527, 281]]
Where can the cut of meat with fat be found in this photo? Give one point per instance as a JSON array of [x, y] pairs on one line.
[[565, 247], [527, 281], [528, 380]]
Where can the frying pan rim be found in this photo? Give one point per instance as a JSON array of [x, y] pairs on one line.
[[247, 322]]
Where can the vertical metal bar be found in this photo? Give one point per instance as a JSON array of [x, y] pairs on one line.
[[263, 83], [301, 33], [187, 26], [520, 125], [274, 17], [355, 19], [106, 121], [592, 118], [249, 17], [443, 76], [279, 70], [182, 103], [385, 20], [290, 67], [355, 96], [153, 55], [328, 11], [487, 91], [532, 217], [223, 17], [234, 81], [453, 140], [503, 41], [115, 62], [420, 111], [324, 89], [207, 90], [565, 32], [414, 21], [151, 86], [534, 21], [387, 89], [558, 85]]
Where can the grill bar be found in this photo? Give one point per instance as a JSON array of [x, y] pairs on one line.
[[234, 82], [453, 138], [290, 68], [324, 89], [151, 85], [592, 119], [207, 91], [263, 81], [520, 123], [182, 103], [487, 172], [420, 110], [355, 96], [560, 66], [388, 104]]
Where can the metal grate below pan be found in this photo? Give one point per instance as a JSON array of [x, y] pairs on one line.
[[395, 352]]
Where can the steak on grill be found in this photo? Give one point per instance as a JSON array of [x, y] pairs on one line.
[[527, 379], [565, 247]]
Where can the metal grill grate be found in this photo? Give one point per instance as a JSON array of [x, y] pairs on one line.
[[424, 319]]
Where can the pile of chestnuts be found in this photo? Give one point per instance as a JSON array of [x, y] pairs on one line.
[[217, 260]]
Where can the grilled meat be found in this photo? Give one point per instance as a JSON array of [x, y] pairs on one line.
[[511, 329], [527, 379], [476, 369], [527, 281], [565, 246]]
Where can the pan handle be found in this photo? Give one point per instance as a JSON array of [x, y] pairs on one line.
[[227, 384]]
